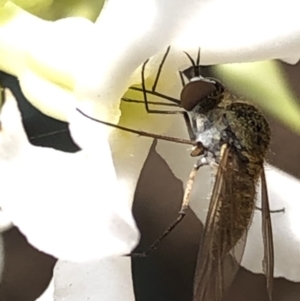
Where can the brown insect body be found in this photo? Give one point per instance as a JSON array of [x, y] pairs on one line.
[[221, 119], [249, 138]]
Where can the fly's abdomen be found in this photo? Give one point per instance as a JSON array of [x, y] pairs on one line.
[[237, 202]]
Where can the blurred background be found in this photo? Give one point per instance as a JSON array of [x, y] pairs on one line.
[[167, 274]]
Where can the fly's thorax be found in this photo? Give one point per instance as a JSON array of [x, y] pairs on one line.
[[238, 124], [209, 130], [249, 133]]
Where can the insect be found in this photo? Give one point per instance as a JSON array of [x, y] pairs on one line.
[[234, 136]]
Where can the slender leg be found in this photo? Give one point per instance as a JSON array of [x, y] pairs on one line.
[[154, 103], [172, 99], [182, 213], [160, 69], [181, 78], [272, 211], [184, 113], [140, 133], [189, 126], [153, 90], [146, 98], [198, 58]]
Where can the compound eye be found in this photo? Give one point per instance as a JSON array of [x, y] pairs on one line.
[[194, 92]]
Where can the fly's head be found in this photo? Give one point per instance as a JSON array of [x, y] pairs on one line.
[[200, 94]]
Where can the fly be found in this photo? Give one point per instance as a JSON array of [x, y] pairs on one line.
[[233, 135]]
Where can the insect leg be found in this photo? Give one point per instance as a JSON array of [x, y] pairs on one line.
[[153, 89], [146, 98], [140, 133], [146, 102], [181, 78], [160, 68], [184, 113], [154, 103], [155, 93], [182, 212], [272, 211]]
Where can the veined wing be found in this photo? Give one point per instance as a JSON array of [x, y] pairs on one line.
[[229, 215], [268, 260]]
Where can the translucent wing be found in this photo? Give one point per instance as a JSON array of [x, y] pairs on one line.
[[229, 215], [268, 260]]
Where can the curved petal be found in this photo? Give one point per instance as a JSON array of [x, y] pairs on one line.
[[68, 205], [234, 31], [109, 57]]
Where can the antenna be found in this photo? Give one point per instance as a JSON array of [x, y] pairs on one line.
[[190, 58], [196, 67], [198, 57]]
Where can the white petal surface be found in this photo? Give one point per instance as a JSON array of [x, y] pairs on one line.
[[242, 31], [107, 279], [67, 205], [94, 62], [5, 221]]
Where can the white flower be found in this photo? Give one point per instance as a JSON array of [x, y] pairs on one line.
[[68, 205], [73, 63], [64, 203]]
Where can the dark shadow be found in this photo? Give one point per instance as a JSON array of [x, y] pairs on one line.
[[27, 271], [167, 273]]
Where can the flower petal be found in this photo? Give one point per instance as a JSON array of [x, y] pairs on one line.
[[107, 279], [235, 31], [68, 205], [111, 56], [5, 221]]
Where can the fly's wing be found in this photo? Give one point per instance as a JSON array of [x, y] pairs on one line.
[[268, 260], [218, 262]]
